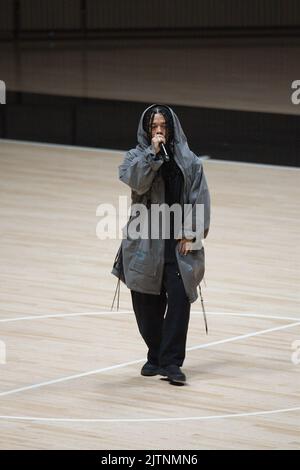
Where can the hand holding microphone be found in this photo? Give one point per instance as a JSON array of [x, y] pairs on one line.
[[159, 142]]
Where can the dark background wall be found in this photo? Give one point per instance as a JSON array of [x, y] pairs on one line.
[[33, 18], [226, 134], [223, 134]]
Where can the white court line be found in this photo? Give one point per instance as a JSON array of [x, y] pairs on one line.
[[63, 315], [261, 165], [122, 152], [147, 420], [202, 418], [59, 146], [119, 312], [248, 335], [231, 290], [125, 364]]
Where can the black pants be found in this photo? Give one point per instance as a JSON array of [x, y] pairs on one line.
[[164, 332]]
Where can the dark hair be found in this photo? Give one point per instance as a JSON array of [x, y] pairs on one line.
[[149, 116]]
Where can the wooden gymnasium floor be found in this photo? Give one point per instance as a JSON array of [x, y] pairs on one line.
[[72, 373]]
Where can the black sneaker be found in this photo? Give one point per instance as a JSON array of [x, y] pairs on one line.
[[149, 369], [173, 374]]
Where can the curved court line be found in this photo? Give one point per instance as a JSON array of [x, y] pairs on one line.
[[125, 364], [199, 418], [120, 312], [145, 420]]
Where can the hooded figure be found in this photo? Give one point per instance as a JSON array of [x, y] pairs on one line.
[[161, 271], [139, 262]]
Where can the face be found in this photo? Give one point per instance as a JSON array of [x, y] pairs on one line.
[[159, 126]]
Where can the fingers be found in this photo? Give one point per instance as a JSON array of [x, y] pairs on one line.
[[184, 247], [156, 140], [159, 138]]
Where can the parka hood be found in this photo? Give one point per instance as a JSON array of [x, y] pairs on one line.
[[180, 145], [179, 135]]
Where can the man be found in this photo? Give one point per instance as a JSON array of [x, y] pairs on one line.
[[163, 273]]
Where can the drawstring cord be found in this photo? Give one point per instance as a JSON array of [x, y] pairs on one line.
[[117, 293], [117, 290], [203, 309]]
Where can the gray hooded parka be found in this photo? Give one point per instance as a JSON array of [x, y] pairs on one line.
[[139, 263]]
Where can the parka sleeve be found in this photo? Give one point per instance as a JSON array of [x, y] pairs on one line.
[[199, 194], [139, 169]]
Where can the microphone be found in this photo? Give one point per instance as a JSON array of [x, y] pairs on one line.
[[164, 152]]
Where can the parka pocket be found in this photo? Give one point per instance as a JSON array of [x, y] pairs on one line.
[[143, 268]]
